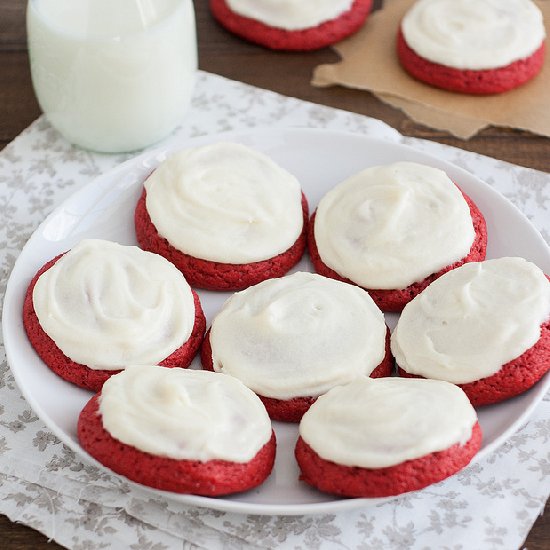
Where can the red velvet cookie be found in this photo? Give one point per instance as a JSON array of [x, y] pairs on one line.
[[84, 376], [275, 38], [514, 378], [479, 82], [410, 475], [394, 300], [210, 478], [292, 410], [216, 275]]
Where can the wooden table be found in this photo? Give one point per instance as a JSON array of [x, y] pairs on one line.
[[286, 73]]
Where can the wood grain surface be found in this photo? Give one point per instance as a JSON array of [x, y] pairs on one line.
[[287, 73]]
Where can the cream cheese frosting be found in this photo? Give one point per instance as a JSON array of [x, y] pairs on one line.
[[106, 305], [290, 14], [471, 321], [225, 203], [393, 225], [474, 34], [184, 414], [298, 336], [376, 423]]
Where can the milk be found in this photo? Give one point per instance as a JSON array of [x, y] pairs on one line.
[[113, 75]]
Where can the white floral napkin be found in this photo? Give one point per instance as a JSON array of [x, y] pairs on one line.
[[491, 504]]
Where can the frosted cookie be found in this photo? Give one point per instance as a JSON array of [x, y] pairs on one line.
[[101, 306], [226, 216], [384, 437], [178, 430], [472, 46], [394, 229], [292, 339], [484, 326], [291, 24]]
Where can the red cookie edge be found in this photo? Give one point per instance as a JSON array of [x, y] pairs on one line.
[[410, 475], [513, 378], [478, 82]]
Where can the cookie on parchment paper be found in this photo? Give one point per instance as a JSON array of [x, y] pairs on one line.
[[474, 47]]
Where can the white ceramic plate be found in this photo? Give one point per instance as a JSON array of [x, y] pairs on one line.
[[320, 159]]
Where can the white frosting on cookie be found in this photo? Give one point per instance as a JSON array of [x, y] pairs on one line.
[[107, 306], [184, 414], [474, 34], [290, 14], [472, 320], [298, 336], [375, 423], [393, 225], [225, 203]]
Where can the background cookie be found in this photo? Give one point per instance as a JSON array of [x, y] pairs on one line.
[[480, 82], [277, 38], [475, 48]]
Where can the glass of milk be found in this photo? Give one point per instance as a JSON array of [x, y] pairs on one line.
[[113, 75]]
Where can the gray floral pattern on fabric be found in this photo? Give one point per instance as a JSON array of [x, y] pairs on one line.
[[491, 504]]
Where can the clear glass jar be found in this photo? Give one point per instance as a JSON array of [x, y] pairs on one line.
[[113, 75]]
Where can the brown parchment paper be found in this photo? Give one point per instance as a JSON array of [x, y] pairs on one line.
[[369, 62]]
